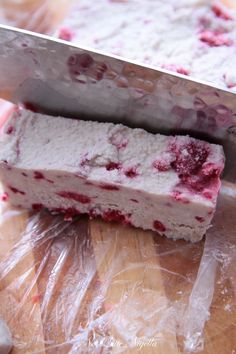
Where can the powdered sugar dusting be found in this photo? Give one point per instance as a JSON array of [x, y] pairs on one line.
[[189, 38]]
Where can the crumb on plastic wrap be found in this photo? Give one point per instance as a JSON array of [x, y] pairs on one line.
[[79, 286]]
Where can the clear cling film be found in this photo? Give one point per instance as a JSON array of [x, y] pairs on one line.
[[90, 287]]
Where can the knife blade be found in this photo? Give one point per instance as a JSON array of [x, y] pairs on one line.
[[59, 78]]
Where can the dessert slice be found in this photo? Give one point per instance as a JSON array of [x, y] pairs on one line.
[[195, 38], [162, 183]]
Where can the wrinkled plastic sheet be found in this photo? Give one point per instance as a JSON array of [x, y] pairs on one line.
[[94, 287]]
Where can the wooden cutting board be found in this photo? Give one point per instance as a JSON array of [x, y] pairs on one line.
[[119, 281]]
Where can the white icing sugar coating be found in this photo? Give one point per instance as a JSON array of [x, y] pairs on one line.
[[166, 184], [192, 37]]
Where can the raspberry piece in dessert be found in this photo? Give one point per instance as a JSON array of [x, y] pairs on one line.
[[221, 12], [4, 197], [177, 68], [66, 34], [214, 39], [127, 175]]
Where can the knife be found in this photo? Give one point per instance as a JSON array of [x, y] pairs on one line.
[[59, 78]]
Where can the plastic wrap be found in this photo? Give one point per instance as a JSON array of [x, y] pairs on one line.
[[93, 287]]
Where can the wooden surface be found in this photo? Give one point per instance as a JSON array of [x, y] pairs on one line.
[[77, 273]]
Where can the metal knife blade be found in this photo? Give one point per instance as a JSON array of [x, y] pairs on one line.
[[60, 78]]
